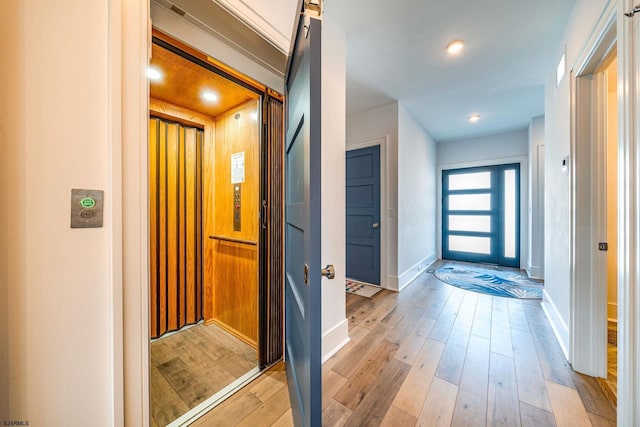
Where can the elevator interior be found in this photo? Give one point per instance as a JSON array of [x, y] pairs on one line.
[[204, 226]]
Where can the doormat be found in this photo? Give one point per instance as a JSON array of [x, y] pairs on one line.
[[362, 289], [500, 283]]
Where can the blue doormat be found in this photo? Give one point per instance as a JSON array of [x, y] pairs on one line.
[[500, 283]]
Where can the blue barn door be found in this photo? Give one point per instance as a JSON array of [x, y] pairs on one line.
[[363, 215], [302, 227]]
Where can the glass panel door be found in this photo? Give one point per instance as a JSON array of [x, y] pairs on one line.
[[481, 214]]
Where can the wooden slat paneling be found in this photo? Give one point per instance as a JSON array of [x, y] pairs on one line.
[[175, 225], [191, 235], [173, 137], [274, 336], [154, 140], [162, 231], [200, 237], [182, 228], [205, 168]]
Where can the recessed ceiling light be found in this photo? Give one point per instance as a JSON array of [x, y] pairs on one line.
[[209, 96], [154, 74], [455, 46], [474, 118]]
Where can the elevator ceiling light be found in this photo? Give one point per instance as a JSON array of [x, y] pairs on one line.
[[474, 118], [455, 46], [154, 74], [209, 96]]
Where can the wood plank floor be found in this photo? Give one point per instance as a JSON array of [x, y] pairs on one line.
[[610, 384], [437, 355], [192, 365]]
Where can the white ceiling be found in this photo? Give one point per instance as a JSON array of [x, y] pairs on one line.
[[396, 51]]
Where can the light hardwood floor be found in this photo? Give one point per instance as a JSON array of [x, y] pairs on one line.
[[191, 365], [436, 355], [610, 384]]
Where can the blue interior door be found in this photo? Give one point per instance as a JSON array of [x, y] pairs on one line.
[[481, 214], [302, 228], [363, 214]]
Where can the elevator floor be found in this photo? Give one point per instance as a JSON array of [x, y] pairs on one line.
[[191, 365]]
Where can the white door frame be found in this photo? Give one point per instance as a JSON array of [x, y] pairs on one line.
[[588, 314], [130, 45], [588, 318], [382, 141], [628, 216]]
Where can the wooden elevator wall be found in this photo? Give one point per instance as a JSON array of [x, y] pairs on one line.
[[231, 256]]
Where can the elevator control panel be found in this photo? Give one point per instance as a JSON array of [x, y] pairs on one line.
[[86, 208], [237, 197]]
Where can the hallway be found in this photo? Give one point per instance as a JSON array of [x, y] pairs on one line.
[[438, 355]]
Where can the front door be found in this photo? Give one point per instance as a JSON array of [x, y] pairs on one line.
[[363, 215], [481, 214], [302, 227]]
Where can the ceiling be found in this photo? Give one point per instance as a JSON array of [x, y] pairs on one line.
[[396, 51], [183, 83]]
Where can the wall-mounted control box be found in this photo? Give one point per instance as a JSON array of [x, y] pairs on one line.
[[237, 197], [86, 208]]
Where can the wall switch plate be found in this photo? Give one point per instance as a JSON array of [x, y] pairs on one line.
[[86, 208]]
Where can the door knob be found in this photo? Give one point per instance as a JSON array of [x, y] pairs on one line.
[[376, 224], [329, 272]]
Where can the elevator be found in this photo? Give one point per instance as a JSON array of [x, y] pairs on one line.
[[215, 225]]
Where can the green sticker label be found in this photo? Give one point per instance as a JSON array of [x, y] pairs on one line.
[[87, 202]]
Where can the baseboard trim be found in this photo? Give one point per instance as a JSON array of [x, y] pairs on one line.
[[334, 339], [392, 283], [533, 271], [558, 325], [418, 268]]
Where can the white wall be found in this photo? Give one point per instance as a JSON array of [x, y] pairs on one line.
[[535, 261], [503, 148], [416, 198], [382, 122], [335, 330], [58, 283], [491, 147], [557, 255]]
